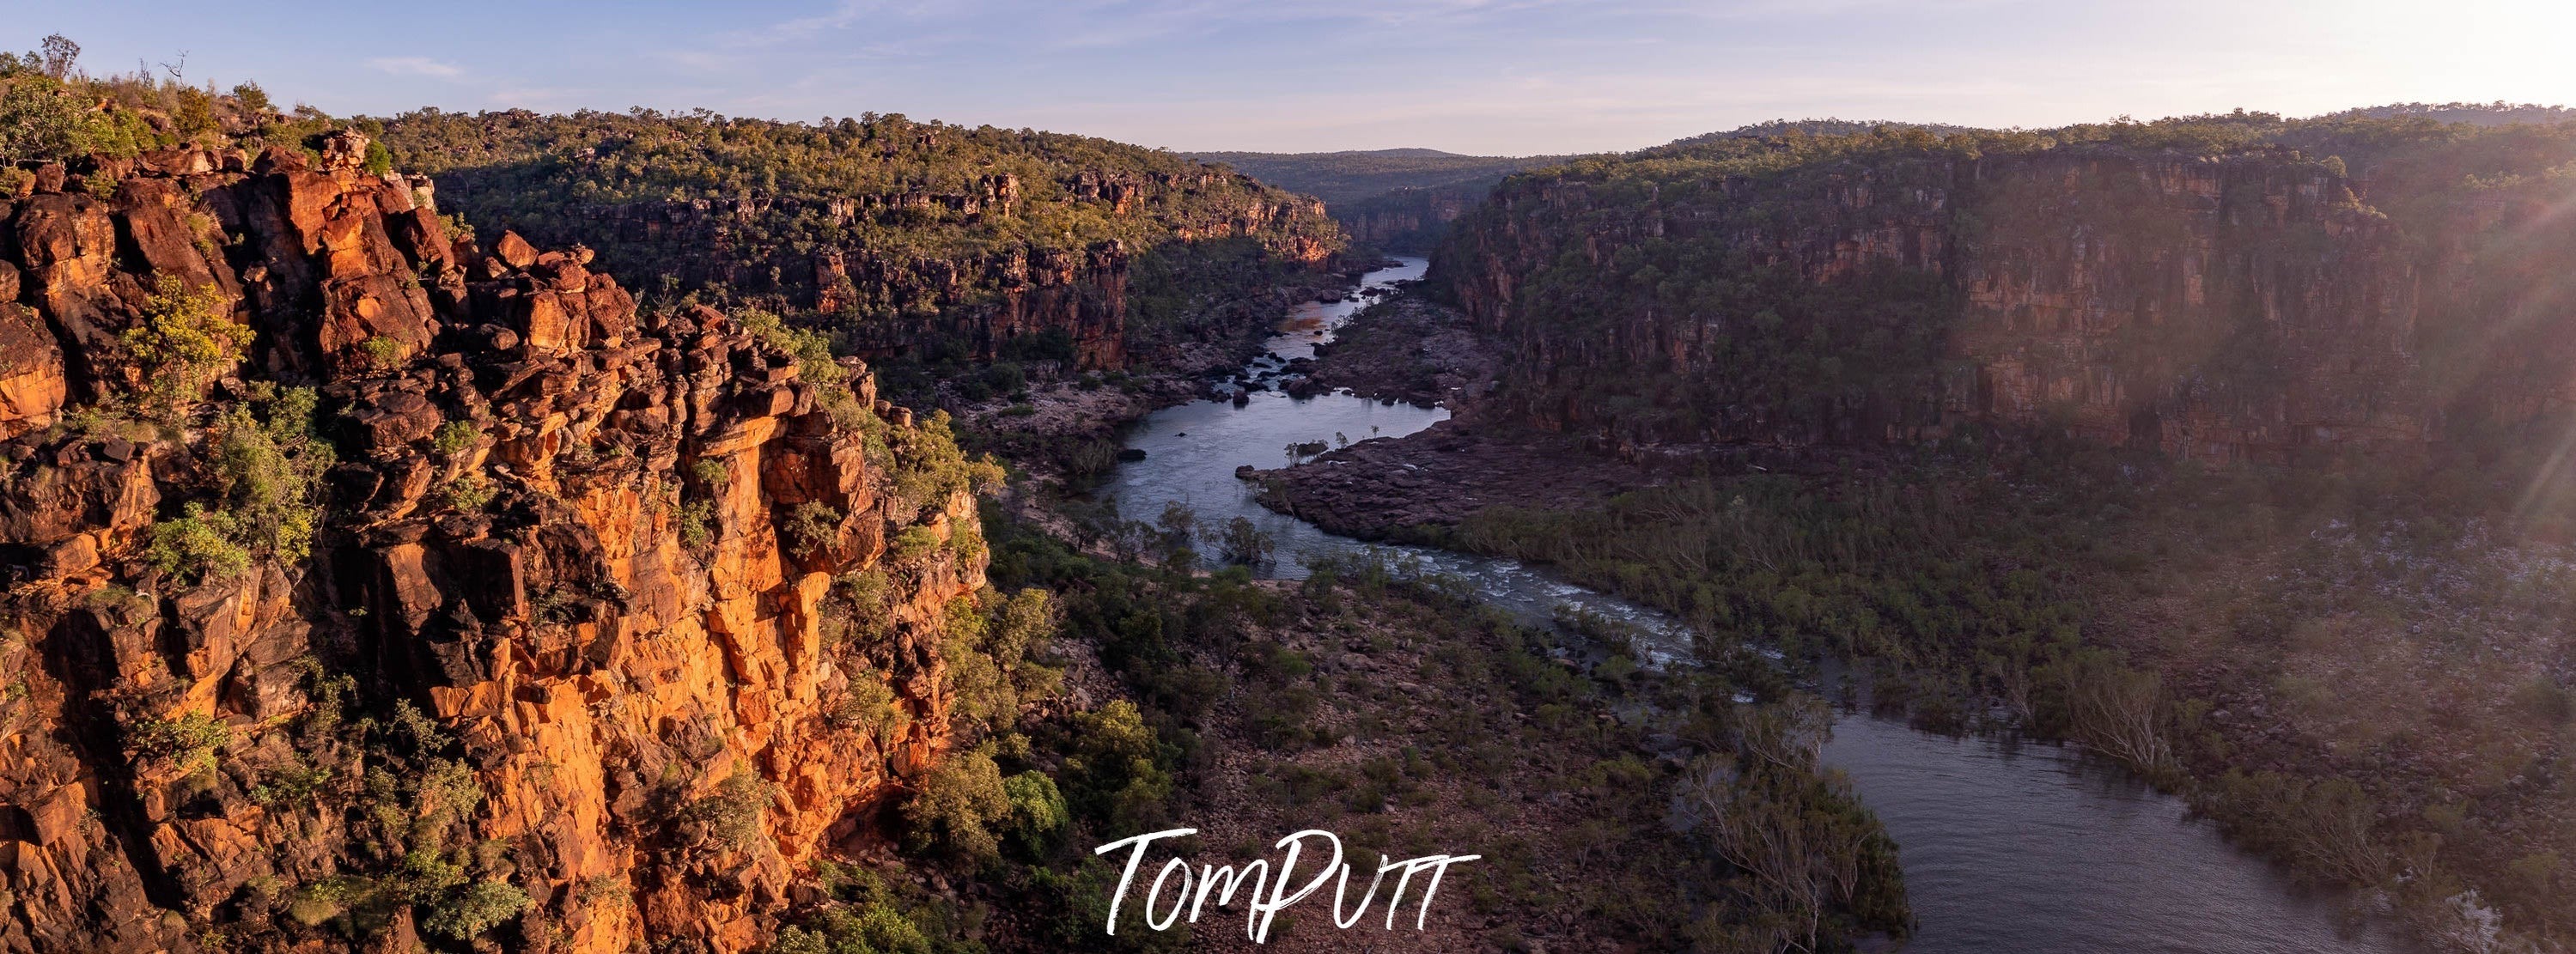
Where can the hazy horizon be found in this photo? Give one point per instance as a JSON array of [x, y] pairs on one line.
[[1474, 77]]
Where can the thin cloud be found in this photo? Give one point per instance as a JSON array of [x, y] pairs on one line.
[[415, 66], [842, 16]]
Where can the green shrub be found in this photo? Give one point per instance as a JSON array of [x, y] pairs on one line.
[[185, 340], [1816, 856], [872, 928], [930, 468], [184, 741], [313, 904], [734, 812], [41, 120], [870, 703], [986, 643], [252, 97], [383, 352], [698, 524], [379, 160], [2322, 827], [455, 438], [475, 908], [1038, 812], [859, 611], [198, 546], [469, 492], [270, 474], [1118, 771], [811, 526], [293, 784], [913, 546], [449, 790], [957, 806], [815, 364], [712, 472]]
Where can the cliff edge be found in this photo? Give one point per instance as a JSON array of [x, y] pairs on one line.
[[366, 587]]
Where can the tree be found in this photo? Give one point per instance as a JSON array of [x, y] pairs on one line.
[[958, 805], [1178, 525], [253, 97], [57, 55], [1242, 542]]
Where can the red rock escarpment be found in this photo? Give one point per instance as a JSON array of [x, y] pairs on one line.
[[598, 548]]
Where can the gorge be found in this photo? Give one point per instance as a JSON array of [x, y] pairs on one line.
[[705, 534], [1966, 810]]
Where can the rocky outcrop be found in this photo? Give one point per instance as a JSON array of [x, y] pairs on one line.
[[1416, 486], [2259, 304], [582, 630], [1407, 348]]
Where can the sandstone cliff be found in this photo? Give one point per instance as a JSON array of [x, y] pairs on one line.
[[463, 604], [907, 238], [1408, 221], [2251, 301]]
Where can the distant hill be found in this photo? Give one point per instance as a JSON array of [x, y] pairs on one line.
[[2481, 114], [2498, 113], [1338, 177], [1393, 200], [1817, 127]]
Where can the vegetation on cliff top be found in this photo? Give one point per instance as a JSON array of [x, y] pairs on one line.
[[1682, 292], [923, 218], [51, 110]]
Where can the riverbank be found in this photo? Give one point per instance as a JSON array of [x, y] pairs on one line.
[[1411, 724], [1062, 432], [2215, 609]]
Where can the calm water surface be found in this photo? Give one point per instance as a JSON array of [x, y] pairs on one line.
[[2006, 847]]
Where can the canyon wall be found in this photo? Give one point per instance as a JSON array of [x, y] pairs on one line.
[[465, 605], [1408, 221], [2258, 303], [978, 300], [906, 238]]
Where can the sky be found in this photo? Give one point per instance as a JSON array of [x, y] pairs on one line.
[[1488, 77]]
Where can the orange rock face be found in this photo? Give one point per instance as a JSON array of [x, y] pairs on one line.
[[598, 549]]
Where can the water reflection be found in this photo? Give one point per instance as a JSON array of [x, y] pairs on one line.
[[2006, 847], [2031, 847]]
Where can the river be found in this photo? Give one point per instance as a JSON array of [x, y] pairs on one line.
[[2007, 847]]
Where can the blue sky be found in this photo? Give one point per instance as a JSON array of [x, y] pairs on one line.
[[1478, 76]]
